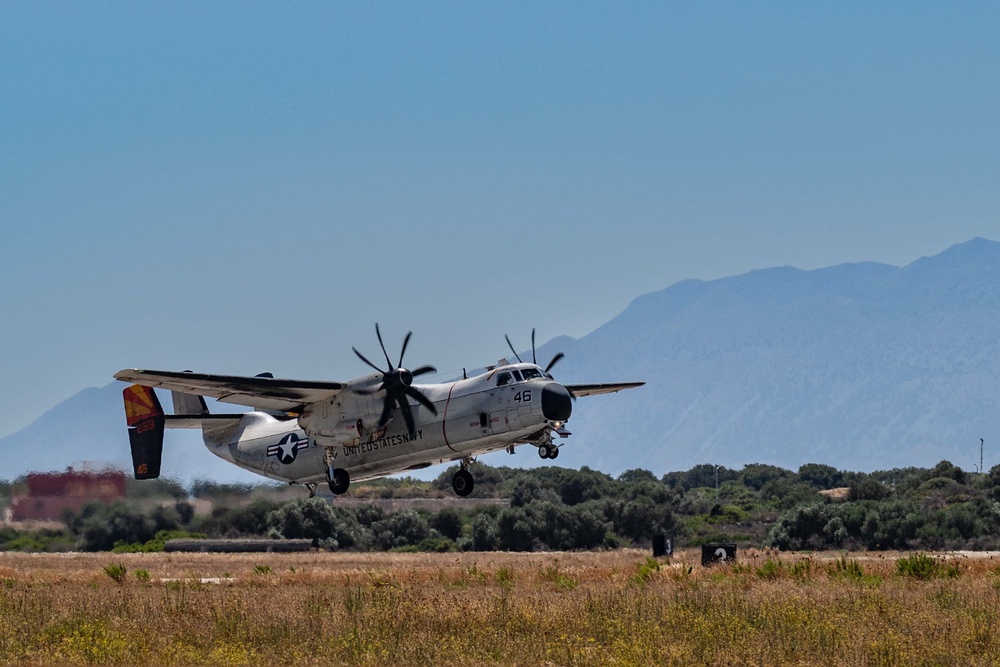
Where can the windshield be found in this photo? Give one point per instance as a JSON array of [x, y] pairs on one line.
[[530, 373]]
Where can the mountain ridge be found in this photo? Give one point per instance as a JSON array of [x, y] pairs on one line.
[[856, 353]]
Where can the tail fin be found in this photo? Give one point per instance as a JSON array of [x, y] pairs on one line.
[[145, 419]]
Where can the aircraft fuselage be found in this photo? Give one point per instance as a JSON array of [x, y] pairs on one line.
[[474, 416]]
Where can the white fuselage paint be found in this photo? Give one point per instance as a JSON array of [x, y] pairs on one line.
[[474, 416]]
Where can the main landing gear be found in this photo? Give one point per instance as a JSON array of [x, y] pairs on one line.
[[338, 480], [463, 482], [548, 451]]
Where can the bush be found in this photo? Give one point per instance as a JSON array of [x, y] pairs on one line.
[[485, 535], [101, 527], [922, 566], [401, 529], [116, 571], [448, 522], [756, 475], [312, 518], [820, 476]]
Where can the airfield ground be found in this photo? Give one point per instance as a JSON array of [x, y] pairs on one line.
[[498, 608]]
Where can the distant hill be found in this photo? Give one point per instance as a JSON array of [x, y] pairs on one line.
[[860, 366]]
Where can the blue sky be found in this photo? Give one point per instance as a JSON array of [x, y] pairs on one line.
[[239, 187]]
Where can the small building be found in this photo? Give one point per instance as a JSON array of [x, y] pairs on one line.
[[52, 493]]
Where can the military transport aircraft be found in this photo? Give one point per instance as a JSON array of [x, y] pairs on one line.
[[307, 432]]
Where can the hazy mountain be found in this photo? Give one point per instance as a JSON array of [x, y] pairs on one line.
[[860, 366]]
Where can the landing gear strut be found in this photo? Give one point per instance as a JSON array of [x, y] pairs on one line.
[[548, 451], [312, 488], [338, 480]]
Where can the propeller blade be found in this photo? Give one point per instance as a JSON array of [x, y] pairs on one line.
[[386, 412], [396, 384], [365, 359], [512, 348], [423, 400], [555, 360], [404, 407], [533, 360], [406, 341], [379, 334]]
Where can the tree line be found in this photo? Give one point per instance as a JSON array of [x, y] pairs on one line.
[[551, 508]]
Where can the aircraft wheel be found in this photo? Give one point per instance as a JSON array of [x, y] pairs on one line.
[[340, 481], [463, 483], [543, 452], [553, 452]]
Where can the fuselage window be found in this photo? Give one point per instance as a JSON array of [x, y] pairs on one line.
[[517, 375], [503, 379]]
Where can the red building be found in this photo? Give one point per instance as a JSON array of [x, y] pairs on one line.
[[51, 493]]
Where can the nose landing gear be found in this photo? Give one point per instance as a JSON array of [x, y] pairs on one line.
[[548, 451]]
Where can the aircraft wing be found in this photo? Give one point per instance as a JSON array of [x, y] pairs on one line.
[[258, 392], [595, 389]]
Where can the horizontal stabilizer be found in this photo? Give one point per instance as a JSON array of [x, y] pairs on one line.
[[202, 421]]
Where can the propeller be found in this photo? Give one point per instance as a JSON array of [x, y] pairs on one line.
[[534, 359], [396, 382]]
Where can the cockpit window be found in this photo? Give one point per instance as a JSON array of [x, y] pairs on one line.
[[503, 379], [530, 373], [517, 374]]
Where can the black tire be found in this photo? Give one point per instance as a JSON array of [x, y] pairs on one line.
[[543, 452], [553, 452], [340, 481], [463, 483]]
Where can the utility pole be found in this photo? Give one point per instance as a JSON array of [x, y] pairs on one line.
[[980, 455]]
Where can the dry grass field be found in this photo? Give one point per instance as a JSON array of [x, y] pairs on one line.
[[614, 608]]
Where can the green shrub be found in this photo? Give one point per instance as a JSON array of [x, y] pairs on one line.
[[644, 571], [847, 568], [771, 569], [504, 576], [116, 571], [921, 566]]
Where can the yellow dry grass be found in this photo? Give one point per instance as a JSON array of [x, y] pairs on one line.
[[611, 608]]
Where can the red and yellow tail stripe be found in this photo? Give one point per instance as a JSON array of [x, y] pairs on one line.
[[140, 404]]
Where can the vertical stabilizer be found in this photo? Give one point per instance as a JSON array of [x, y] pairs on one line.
[[188, 404], [146, 421]]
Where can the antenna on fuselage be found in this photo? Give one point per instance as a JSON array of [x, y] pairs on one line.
[[465, 376]]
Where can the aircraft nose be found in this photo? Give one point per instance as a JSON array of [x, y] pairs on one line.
[[556, 403]]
